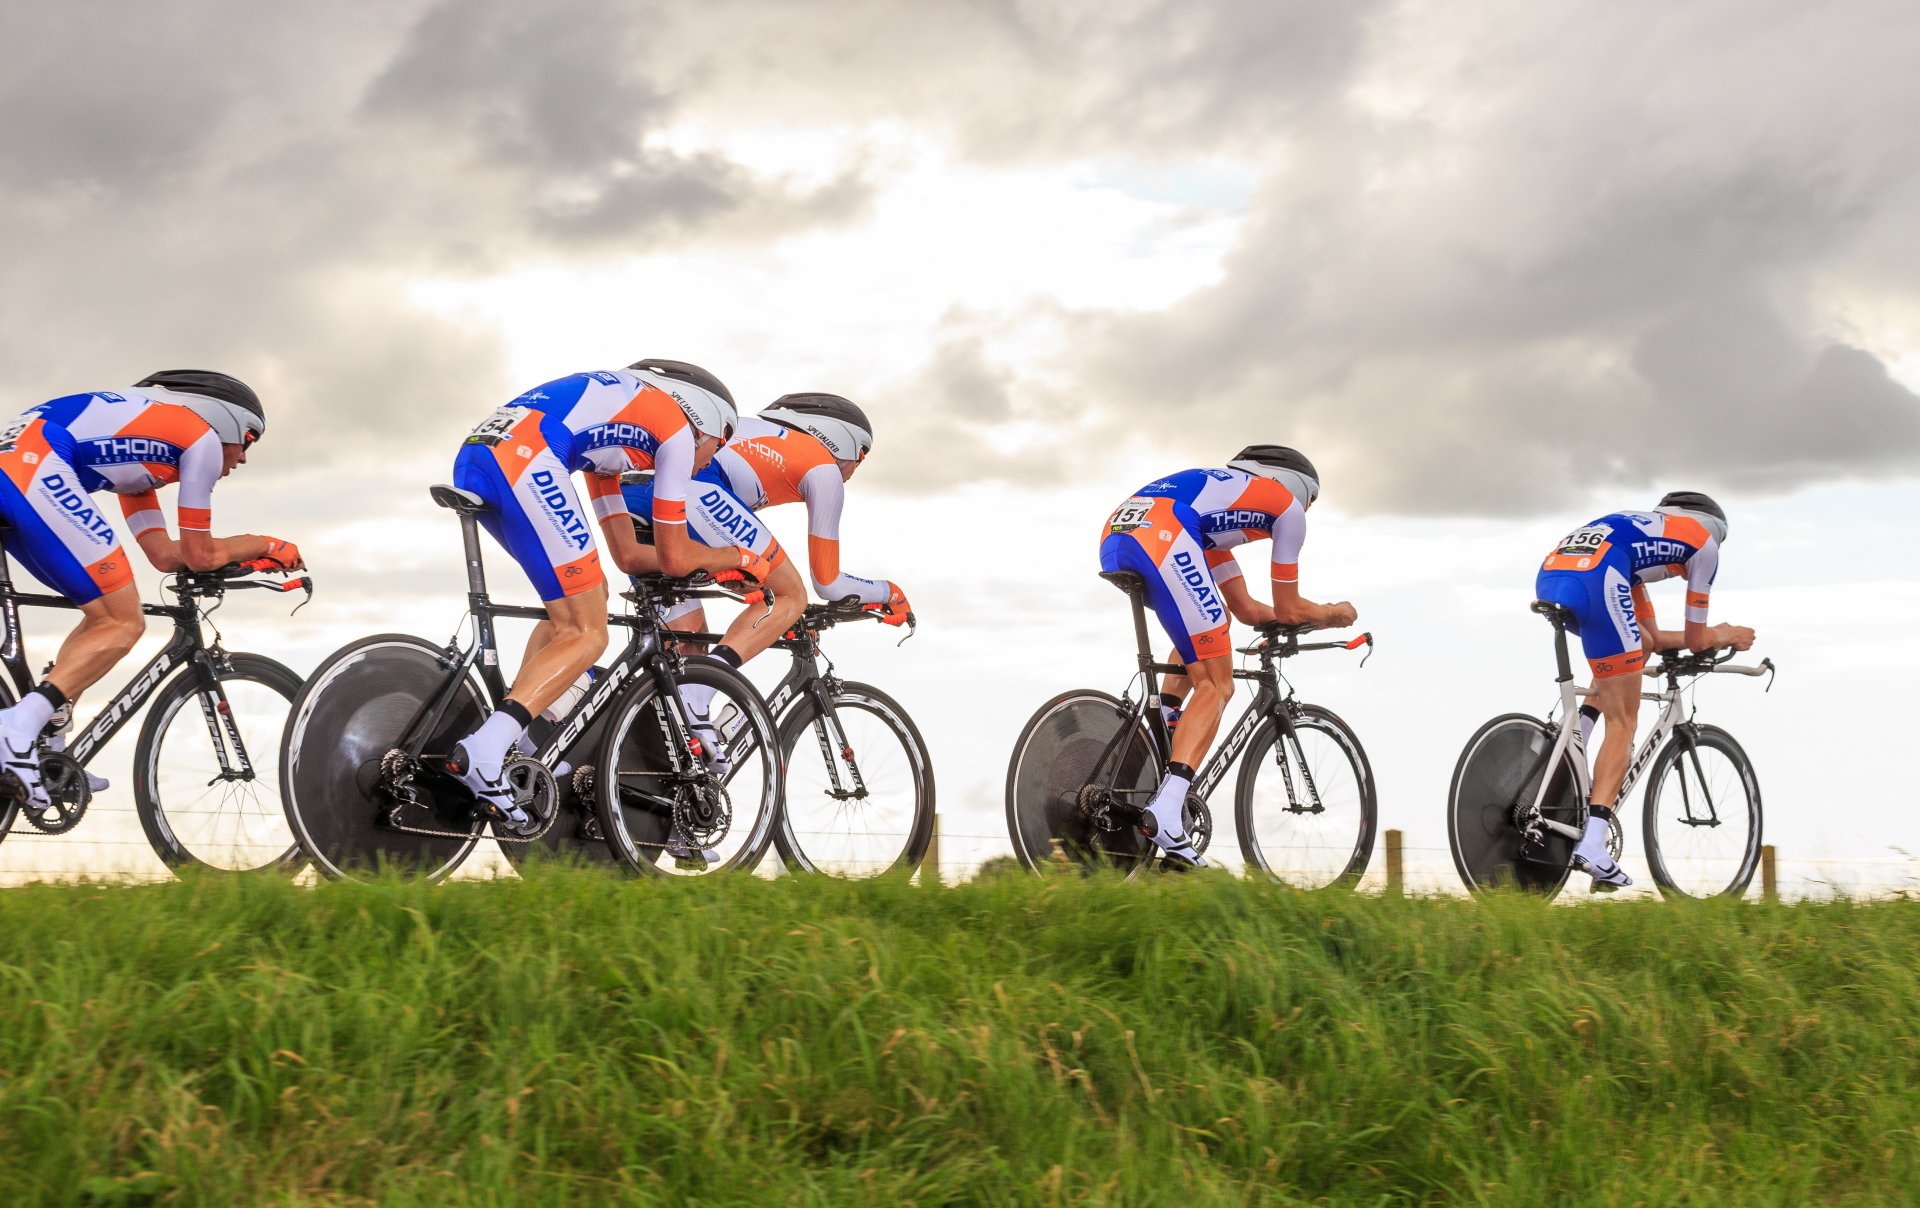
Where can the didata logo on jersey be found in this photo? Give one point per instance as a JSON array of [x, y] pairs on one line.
[[546, 487], [1623, 608], [77, 506], [125, 450], [738, 523], [1199, 585]]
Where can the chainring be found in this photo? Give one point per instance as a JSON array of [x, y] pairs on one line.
[[1199, 820], [535, 791], [703, 827], [68, 794]]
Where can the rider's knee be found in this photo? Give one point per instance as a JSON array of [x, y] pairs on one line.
[[123, 630]]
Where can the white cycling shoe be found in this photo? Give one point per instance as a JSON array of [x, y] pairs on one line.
[[685, 855], [23, 764], [1607, 876], [1178, 846], [490, 789]]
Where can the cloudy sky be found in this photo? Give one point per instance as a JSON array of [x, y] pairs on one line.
[[1498, 267]]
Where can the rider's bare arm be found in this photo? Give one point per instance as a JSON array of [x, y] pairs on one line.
[[629, 553], [1291, 608], [198, 551], [1240, 602]]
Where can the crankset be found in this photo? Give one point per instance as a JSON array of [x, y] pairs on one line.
[[1199, 820], [534, 790], [68, 794]]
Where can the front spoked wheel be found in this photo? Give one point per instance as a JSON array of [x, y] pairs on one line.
[[1306, 807], [206, 771], [1702, 816], [859, 793], [667, 806], [1494, 784], [1082, 754]]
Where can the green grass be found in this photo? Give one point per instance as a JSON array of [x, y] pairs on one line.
[[574, 1038]]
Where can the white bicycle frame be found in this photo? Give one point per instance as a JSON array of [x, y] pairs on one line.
[[1569, 735]]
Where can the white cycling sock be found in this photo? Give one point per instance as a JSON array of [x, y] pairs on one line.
[[698, 698], [1589, 718], [1168, 806], [488, 745], [24, 721]]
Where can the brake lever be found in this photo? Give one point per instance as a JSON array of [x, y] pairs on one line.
[[1367, 638], [913, 627]]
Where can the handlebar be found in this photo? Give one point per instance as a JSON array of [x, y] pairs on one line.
[[1718, 661], [657, 588], [1273, 646]]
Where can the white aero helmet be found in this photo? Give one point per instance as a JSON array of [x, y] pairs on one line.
[[1288, 467], [706, 400], [1698, 506], [833, 421], [229, 405]]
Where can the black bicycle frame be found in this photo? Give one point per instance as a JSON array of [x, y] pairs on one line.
[[186, 649], [1267, 701]]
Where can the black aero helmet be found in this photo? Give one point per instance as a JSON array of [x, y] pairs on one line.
[[713, 410], [1286, 466], [230, 406], [835, 422], [1701, 507]]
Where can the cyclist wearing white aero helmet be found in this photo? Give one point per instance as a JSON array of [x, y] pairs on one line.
[[666, 416], [185, 426]]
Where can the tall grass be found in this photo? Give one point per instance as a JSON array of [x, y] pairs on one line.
[[577, 1039]]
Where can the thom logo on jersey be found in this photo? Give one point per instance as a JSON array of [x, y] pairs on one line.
[[1235, 519], [624, 435], [1199, 586], [119, 450], [1662, 549], [77, 506], [547, 487], [738, 524]]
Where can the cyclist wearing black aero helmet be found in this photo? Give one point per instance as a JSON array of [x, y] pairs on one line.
[[1599, 573], [186, 426], [1177, 535]]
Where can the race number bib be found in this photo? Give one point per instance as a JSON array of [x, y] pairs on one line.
[[1581, 548], [12, 431], [1134, 514], [496, 427]]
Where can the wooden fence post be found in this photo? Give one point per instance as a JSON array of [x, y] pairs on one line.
[[1769, 877], [930, 866], [1396, 867]]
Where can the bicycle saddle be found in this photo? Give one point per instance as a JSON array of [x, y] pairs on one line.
[[1125, 580], [464, 502], [1559, 614]]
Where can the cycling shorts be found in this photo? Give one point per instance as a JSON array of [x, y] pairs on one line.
[[532, 509], [54, 528], [1163, 551], [1601, 600]]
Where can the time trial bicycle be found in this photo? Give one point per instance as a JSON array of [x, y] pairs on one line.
[[365, 759], [205, 785], [1087, 764], [1517, 805]]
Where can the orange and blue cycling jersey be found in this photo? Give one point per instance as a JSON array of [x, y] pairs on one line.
[[521, 460], [769, 464], [1599, 572], [1178, 534], [55, 456]]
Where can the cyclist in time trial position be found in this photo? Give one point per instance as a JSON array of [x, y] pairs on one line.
[[1599, 572], [1177, 534], [805, 447], [667, 416], [186, 426]]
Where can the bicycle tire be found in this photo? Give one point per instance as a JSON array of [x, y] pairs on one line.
[[1704, 877], [9, 804], [1494, 771], [351, 711], [260, 839], [635, 785], [1053, 759], [900, 846], [1348, 860]]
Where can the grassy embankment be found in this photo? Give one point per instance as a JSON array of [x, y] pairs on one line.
[[578, 1039]]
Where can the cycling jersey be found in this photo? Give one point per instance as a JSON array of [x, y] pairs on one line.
[[1177, 534], [769, 464], [521, 459], [124, 441], [1600, 571]]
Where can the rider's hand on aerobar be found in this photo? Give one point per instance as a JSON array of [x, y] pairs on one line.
[[757, 567], [280, 555], [895, 609]]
